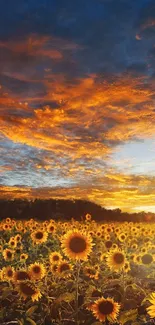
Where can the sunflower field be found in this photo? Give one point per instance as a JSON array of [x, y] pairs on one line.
[[74, 273]]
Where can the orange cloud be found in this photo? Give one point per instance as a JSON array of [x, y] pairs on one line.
[[34, 46], [150, 22], [89, 115], [84, 124]]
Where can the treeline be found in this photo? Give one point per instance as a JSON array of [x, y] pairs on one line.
[[65, 210]]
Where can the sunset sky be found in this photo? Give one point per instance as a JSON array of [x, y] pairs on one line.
[[77, 101]]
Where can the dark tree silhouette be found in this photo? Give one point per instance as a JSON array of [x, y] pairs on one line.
[[65, 210]]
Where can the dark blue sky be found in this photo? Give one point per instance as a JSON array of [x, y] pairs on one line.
[[77, 99]]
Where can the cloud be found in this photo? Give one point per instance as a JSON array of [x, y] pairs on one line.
[[76, 81], [146, 21], [90, 119]]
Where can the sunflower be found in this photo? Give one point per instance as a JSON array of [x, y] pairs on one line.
[[102, 227], [23, 257], [55, 257], [18, 237], [107, 237], [98, 233], [116, 260], [151, 309], [8, 254], [91, 233], [8, 220], [12, 243], [114, 246], [76, 245], [27, 289], [20, 275], [109, 229], [39, 236], [105, 309], [13, 223], [51, 228], [103, 257], [117, 230], [7, 273], [126, 267], [6, 227], [19, 226], [134, 246], [37, 271], [122, 237], [91, 272], [64, 269], [88, 217], [136, 258]]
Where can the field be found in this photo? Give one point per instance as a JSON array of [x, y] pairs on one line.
[[67, 273]]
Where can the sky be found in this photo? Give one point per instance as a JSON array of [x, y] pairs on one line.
[[77, 101]]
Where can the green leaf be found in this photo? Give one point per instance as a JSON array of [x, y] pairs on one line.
[[31, 310], [6, 292], [21, 321], [31, 321], [67, 297], [1, 313], [129, 315]]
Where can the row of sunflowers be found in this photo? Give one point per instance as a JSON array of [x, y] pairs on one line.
[[66, 273]]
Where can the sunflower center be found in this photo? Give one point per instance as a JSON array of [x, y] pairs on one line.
[[55, 258], [118, 258], [77, 244], [26, 289], [51, 228], [10, 273], [108, 243], [106, 307], [22, 275], [36, 269], [12, 243], [147, 259], [39, 235], [9, 254], [64, 267]]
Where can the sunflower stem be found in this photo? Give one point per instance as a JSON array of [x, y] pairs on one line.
[[77, 290], [123, 285]]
